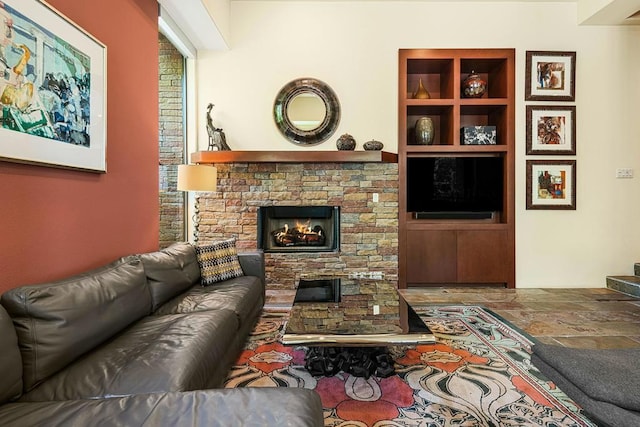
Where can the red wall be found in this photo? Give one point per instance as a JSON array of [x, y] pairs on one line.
[[55, 222]]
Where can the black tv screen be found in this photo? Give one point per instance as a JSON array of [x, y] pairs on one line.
[[455, 184]]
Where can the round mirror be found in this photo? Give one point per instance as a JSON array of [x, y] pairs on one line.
[[306, 111]]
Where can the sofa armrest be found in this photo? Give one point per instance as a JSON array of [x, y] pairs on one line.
[[222, 407], [252, 264]]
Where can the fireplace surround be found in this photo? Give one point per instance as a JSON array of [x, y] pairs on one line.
[[368, 229]]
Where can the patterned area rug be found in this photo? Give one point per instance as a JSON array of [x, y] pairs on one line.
[[478, 373]]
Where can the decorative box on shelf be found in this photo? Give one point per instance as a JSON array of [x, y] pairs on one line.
[[478, 135]]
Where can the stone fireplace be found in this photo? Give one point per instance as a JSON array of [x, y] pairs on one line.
[[298, 228], [364, 193]]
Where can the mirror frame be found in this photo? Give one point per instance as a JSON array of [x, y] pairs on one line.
[[331, 118]]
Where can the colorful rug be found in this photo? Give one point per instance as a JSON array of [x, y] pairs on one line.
[[478, 373]]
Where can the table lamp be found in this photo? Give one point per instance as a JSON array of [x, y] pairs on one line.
[[197, 178]]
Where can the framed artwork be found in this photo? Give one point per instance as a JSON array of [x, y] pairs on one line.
[[551, 184], [551, 129], [550, 76], [52, 89]]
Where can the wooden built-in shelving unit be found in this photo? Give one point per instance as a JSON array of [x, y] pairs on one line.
[[467, 252]]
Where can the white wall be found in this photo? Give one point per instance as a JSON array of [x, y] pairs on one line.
[[353, 46]]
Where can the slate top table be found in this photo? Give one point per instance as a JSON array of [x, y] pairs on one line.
[[352, 312]]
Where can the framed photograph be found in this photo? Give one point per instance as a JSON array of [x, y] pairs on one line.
[[52, 89], [551, 129], [550, 76], [551, 184]]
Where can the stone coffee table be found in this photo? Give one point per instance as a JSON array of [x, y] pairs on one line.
[[349, 324]]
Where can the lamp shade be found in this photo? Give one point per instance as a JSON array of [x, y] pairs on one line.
[[197, 178]]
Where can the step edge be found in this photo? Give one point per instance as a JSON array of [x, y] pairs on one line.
[[627, 287]]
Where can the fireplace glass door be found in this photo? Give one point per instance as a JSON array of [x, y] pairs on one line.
[[299, 228]]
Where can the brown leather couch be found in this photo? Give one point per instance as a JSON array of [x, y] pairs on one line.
[[138, 342]]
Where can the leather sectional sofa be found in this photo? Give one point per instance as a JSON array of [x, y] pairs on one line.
[[138, 342]]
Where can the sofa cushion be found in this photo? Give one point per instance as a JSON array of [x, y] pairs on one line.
[[609, 375], [218, 262], [170, 271], [158, 353], [604, 382], [252, 264], [213, 408], [604, 413], [244, 295], [10, 360], [58, 322]]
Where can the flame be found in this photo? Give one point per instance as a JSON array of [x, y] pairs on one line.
[[304, 227]]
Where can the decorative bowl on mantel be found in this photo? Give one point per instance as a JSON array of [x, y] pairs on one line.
[[373, 145]]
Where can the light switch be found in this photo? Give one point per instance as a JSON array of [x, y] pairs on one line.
[[624, 173]]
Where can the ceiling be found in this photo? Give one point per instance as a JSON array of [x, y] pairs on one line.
[[195, 20]]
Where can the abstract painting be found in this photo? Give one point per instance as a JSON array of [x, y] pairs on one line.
[[550, 76], [551, 184], [52, 89], [551, 129]]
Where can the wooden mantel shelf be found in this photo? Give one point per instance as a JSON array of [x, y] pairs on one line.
[[293, 157]]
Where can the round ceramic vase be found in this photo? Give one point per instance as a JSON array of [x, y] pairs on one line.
[[346, 143], [473, 86]]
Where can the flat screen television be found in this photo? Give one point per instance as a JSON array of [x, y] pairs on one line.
[[455, 187]]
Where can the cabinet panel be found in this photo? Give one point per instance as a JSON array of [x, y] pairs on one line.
[[431, 256], [483, 256]]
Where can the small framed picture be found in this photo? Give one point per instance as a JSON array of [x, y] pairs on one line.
[[551, 184], [551, 129], [550, 76]]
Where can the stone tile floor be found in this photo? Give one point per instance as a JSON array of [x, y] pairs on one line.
[[578, 317]]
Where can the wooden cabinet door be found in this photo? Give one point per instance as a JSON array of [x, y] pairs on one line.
[[431, 256], [483, 256]]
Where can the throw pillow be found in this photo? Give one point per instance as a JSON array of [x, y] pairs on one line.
[[218, 261]]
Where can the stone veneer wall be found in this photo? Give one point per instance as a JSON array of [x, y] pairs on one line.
[[369, 231], [171, 143]]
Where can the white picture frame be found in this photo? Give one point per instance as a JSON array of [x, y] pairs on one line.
[[52, 89]]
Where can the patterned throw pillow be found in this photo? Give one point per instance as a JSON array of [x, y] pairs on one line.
[[218, 261]]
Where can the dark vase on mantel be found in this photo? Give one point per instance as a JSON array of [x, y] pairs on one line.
[[373, 145], [346, 143]]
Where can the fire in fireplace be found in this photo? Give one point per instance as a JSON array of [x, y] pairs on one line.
[[298, 228], [300, 235]]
